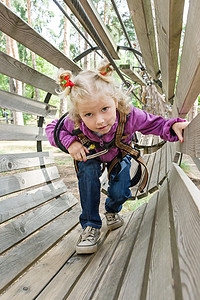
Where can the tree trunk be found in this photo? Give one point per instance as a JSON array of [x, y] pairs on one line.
[[67, 34], [79, 42], [86, 64], [105, 11], [37, 96], [95, 55], [66, 48], [14, 85]]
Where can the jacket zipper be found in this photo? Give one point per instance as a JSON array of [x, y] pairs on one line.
[[101, 143]]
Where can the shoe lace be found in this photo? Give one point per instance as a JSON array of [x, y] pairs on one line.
[[111, 217], [88, 233]]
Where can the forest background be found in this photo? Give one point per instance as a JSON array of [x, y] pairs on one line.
[[47, 19]]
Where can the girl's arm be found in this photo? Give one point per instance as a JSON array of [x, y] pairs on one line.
[[70, 142], [65, 136], [151, 124]]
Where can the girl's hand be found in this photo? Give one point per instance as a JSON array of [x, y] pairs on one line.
[[178, 129], [78, 151]]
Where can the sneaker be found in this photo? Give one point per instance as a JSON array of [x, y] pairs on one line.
[[87, 242], [113, 220]]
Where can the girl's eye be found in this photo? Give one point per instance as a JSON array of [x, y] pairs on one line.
[[105, 108], [88, 115]]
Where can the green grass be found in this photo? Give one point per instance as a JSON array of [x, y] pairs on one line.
[[185, 166], [132, 205]]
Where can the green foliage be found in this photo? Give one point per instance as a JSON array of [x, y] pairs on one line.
[[4, 82], [199, 101], [49, 22], [2, 42], [185, 166], [20, 8]]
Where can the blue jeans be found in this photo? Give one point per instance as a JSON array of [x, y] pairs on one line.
[[90, 189]]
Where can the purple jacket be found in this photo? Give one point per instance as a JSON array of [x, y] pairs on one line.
[[137, 120]]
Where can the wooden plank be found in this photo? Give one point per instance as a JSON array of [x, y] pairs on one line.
[[19, 30], [104, 181], [11, 207], [162, 171], [18, 259], [169, 156], [153, 184], [150, 143], [97, 23], [133, 170], [110, 281], [138, 262], [156, 140], [17, 230], [185, 197], [21, 133], [139, 135], [191, 144], [173, 150], [188, 87], [197, 162], [126, 287], [129, 71], [141, 14], [16, 102], [150, 167], [20, 181], [85, 287], [13, 68], [146, 140], [169, 17], [67, 277], [28, 286], [161, 281], [10, 162]]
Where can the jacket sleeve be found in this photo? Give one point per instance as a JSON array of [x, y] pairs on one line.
[[65, 135], [151, 124]]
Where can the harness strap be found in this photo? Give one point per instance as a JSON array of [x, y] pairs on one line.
[[133, 152], [115, 161], [126, 149]]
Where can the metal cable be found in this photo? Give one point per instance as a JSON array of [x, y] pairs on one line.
[[96, 37], [126, 34], [121, 22], [124, 29], [75, 26]]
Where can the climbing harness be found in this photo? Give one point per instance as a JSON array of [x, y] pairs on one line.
[[117, 141]]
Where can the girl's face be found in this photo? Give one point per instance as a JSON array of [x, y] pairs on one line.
[[99, 113]]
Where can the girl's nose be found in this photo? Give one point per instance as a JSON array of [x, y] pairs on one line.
[[99, 120]]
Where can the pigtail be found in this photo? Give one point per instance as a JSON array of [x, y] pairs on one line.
[[105, 70], [63, 79]]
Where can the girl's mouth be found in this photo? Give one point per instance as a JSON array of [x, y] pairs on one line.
[[103, 128]]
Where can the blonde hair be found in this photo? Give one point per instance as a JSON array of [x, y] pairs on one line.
[[88, 83]]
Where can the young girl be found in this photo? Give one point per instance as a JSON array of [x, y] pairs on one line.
[[96, 107]]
